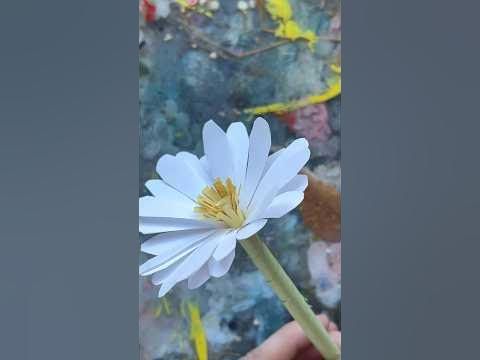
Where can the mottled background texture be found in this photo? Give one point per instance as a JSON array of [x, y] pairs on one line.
[[232, 61]]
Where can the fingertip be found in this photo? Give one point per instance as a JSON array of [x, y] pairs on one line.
[[324, 320], [332, 326], [327, 323], [336, 338]]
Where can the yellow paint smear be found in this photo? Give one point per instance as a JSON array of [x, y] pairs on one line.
[[281, 11], [280, 108], [336, 68], [184, 5], [157, 311], [162, 305], [166, 305], [197, 333], [183, 305]]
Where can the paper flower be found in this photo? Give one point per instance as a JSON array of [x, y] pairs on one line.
[[201, 207]]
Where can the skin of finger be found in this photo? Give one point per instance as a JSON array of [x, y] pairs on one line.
[[332, 326], [337, 338], [285, 344], [311, 353]]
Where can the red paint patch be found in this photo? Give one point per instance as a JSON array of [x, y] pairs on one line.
[[310, 122], [149, 10]]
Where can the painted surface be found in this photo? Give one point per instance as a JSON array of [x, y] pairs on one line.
[[231, 60]]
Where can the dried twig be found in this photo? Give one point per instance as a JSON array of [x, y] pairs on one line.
[[222, 51]]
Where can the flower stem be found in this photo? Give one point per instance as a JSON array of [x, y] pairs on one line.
[[292, 298]]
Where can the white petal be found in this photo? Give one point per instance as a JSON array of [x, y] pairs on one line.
[[284, 169], [220, 268], [260, 142], [158, 263], [166, 193], [298, 183], [199, 278], [149, 206], [283, 203], [218, 152], [194, 163], [251, 229], [204, 163], [174, 251], [225, 246], [271, 159], [159, 277], [171, 243], [176, 173], [190, 264], [149, 225], [238, 138]]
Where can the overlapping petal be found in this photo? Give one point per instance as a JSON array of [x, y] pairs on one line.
[[190, 264], [239, 142], [283, 169], [218, 151], [195, 165], [199, 278], [173, 242], [176, 173], [226, 246], [251, 229], [298, 183], [157, 207], [259, 147], [282, 204], [155, 225], [219, 268]]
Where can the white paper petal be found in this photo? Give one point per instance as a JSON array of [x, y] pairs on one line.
[[164, 289], [271, 159], [167, 193], [251, 229], [283, 203], [204, 163], [225, 246], [150, 206], [176, 173], [159, 277], [170, 243], [199, 278], [298, 183], [194, 163], [158, 263], [220, 268], [238, 138], [284, 169], [218, 152], [190, 264], [149, 225], [260, 142]]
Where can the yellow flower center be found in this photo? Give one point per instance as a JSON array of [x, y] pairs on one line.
[[220, 202]]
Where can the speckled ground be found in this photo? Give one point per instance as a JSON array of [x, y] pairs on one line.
[[194, 68]]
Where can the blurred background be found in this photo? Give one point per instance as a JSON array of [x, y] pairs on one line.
[[232, 61]]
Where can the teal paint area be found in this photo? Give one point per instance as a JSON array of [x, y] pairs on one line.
[[194, 68]]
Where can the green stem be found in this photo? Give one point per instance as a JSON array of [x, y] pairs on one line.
[[290, 296]]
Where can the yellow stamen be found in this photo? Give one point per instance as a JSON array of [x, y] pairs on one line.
[[219, 202]]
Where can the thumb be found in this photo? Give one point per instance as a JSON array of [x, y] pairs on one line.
[[285, 344]]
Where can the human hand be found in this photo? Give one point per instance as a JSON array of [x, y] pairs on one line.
[[290, 343]]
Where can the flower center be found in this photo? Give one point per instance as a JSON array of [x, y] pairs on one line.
[[220, 202]]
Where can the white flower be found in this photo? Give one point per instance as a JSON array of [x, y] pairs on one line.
[[201, 207]]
